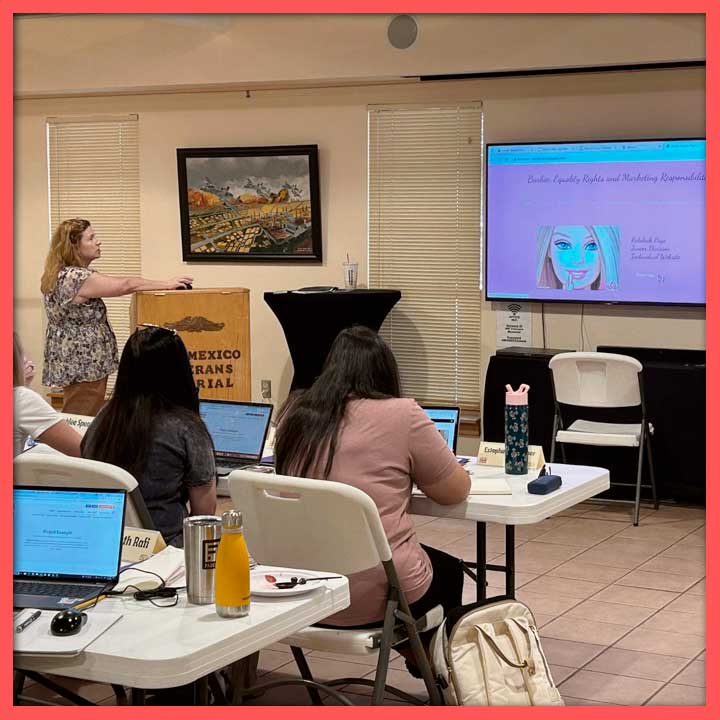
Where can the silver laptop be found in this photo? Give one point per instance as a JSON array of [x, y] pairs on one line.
[[447, 421], [66, 544], [238, 431]]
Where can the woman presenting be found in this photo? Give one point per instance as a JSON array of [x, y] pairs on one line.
[[80, 346]]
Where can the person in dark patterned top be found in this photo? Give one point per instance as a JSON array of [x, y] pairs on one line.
[[151, 427], [80, 346]]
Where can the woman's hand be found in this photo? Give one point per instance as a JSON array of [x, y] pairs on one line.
[[107, 286], [29, 367], [179, 283]]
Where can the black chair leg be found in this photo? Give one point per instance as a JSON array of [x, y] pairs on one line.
[[641, 451], [656, 505], [305, 673]]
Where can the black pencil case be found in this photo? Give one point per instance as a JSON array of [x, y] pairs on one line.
[[544, 484]]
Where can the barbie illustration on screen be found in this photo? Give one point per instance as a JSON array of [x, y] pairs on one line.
[[578, 257]]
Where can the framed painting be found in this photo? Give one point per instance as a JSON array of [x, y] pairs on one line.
[[254, 204]]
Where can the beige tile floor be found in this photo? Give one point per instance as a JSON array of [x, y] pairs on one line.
[[621, 609]]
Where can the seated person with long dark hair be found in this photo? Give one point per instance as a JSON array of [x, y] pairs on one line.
[[353, 427], [152, 428]]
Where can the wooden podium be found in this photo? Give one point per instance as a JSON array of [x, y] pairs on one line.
[[214, 324]]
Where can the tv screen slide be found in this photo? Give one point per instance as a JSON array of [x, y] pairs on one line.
[[620, 221]]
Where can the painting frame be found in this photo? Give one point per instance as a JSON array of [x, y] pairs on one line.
[[272, 222]]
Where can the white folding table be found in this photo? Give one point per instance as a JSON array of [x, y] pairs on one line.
[[579, 483], [154, 648]]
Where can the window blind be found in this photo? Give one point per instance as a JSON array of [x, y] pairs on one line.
[[94, 173], [425, 239]]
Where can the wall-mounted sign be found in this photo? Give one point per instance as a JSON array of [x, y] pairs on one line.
[[514, 324]]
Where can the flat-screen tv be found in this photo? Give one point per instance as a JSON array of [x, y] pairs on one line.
[[611, 222]]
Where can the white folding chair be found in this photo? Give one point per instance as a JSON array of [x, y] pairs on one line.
[[331, 527], [45, 469], [602, 380], [53, 470]]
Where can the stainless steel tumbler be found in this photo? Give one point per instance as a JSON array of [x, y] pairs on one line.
[[201, 537]]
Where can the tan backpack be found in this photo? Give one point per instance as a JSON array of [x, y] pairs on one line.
[[491, 655]]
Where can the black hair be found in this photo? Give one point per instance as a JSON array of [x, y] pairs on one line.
[[154, 377], [359, 365]]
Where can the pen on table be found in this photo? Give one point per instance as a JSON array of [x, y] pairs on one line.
[[89, 603], [27, 622]]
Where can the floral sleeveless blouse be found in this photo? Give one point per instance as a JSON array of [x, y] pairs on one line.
[[80, 346]]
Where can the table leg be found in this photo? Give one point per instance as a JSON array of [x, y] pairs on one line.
[[201, 691], [510, 561], [120, 694], [481, 561], [18, 684], [137, 696], [483, 566]]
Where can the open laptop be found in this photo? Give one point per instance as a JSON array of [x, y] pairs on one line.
[[66, 544], [447, 421], [238, 431]]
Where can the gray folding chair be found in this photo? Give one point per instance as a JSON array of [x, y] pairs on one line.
[[331, 527], [603, 380]]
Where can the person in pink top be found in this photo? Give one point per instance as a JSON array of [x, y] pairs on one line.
[[352, 426]]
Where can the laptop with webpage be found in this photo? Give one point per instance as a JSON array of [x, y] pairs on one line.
[[238, 431], [447, 421], [66, 544]]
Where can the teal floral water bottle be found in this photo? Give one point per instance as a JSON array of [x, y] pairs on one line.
[[516, 430]]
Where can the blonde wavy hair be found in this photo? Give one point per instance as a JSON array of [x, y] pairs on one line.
[[62, 251]]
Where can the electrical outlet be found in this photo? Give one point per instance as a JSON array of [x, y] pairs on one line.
[[266, 388]]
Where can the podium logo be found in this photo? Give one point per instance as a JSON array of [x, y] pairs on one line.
[[194, 323]]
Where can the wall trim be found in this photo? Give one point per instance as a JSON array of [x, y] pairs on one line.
[[631, 67]]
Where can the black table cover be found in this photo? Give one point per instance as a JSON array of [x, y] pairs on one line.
[[675, 402], [311, 321]]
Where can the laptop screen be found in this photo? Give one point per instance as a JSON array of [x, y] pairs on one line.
[[238, 430], [447, 420], [67, 533]]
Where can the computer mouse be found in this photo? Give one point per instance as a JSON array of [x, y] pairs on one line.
[[67, 622], [188, 286]]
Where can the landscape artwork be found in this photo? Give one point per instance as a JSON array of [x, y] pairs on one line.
[[256, 204]]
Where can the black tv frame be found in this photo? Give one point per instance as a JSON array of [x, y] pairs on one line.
[[559, 300]]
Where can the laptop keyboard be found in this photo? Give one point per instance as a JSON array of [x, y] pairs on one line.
[[21, 587], [226, 468]]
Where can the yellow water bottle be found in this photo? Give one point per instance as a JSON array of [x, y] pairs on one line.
[[232, 569]]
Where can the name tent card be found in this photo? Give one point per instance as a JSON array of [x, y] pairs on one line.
[[139, 544], [79, 422], [493, 454]]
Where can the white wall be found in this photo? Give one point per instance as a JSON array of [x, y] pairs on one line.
[[603, 106], [94, 53]]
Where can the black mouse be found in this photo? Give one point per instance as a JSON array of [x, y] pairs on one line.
[[67, 622], [188, 286]]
